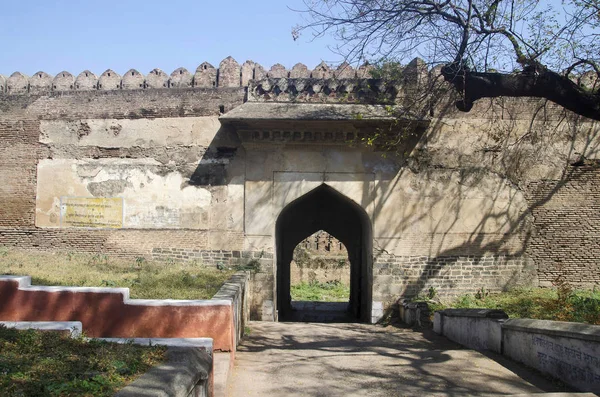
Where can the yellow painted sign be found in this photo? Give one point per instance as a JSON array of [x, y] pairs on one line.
[[91, 212]]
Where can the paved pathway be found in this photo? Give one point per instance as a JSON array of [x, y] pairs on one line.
[[309, 359]]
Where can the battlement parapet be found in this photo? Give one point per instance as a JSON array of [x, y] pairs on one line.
[[229, 74]]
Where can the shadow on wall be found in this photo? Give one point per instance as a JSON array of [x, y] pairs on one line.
[[214, 167], [481, 187], [473, 194]]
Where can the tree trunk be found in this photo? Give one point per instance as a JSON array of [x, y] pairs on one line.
[[541, 84]]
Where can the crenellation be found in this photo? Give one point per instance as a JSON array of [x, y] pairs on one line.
[[109, 80], [181, 78], [17, 83], [345, 71], [416, 73], [247, 72], [322, 71], [259, 72], [364, 71], [40, 83], [64, 81], [205, 76], [132, 80], [86, 81], [229, 73], [299, 71], [157, 79], [277, 71]]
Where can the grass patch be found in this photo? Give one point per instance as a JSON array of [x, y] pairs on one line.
[[331, 291], [145, 279], [539, 303], [36, 363]]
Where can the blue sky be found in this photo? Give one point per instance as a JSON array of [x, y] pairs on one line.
[[57, 35]]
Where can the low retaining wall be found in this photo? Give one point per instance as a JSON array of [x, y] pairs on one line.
[[478, 329], [566, 351], [414, 313], [236, 290], [108, 312]]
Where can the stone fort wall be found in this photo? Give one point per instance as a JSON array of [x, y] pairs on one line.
[[500, 196]]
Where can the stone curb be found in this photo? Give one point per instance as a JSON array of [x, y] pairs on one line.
[[187, 371], [73, 327]]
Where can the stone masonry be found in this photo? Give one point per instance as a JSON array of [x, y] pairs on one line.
[[199, 166]]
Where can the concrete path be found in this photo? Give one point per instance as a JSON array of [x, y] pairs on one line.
[[309, 359]]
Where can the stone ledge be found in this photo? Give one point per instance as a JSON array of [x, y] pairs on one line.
[[481, 313], [186, 371], [554, 328], [73, 327]]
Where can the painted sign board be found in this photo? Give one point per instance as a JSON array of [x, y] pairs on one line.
[[91, 212]]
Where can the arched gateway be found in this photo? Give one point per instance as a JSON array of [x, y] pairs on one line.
[[326, 209]]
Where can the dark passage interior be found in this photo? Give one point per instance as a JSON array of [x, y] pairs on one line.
[[325, 209]]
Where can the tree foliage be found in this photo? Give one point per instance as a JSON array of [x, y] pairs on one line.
[[488, 48]]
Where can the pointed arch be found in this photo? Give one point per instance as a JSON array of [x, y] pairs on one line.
[[324, 208]]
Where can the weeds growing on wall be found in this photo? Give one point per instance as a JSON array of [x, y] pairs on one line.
[[146, 279], [36, 363], [558, 304]]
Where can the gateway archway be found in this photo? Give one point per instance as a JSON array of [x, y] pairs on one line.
[[326, 209]]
